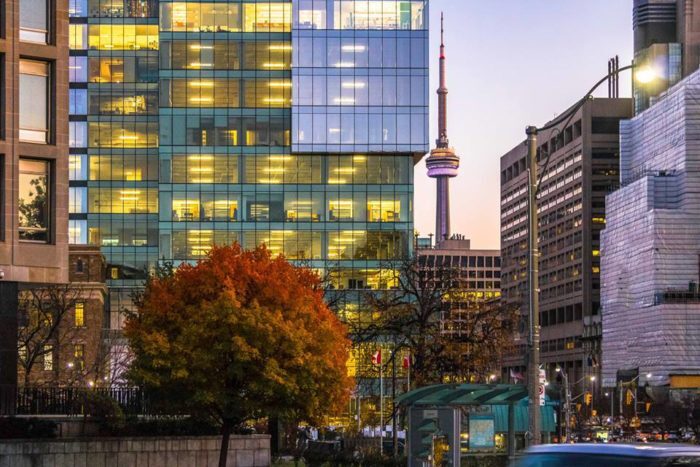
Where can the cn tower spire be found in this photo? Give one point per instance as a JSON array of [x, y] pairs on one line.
[[442, 141], [443, 162]]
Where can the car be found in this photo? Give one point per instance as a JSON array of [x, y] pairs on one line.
[[610, 455]]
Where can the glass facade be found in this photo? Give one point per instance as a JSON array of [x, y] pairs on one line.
[[201, 123], [360, 76]]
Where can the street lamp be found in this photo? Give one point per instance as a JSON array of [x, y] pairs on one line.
[[645, 75], [567, 402], [533, 242]]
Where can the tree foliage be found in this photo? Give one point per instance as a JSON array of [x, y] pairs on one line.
[[451, 335], [239, 336]]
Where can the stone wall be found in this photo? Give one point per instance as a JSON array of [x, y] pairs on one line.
[[244, 451]]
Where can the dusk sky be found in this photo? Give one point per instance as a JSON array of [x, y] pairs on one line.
[[511, 63]]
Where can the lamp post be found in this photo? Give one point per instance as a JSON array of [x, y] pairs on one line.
[[533, 243], [567, 403], [612, 411]]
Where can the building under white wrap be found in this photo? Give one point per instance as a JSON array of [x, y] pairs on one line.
[[651, 245]]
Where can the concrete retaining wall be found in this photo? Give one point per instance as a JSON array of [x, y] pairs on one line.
[[244, 451]]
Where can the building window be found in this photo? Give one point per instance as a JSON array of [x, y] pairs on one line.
[[123, 36], [34, 200], [80, 308], [77, 232], [34, 101], [48, 357], [77, 199], [79, 355], [34, 21]]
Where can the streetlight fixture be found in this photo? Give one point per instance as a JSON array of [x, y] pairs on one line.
[[533, 243], [645, 75]]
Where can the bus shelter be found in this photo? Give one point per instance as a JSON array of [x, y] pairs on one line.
[[447, 422]]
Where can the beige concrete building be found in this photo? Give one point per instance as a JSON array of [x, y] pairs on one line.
[[479, 275], [580, 166], [33, 161]]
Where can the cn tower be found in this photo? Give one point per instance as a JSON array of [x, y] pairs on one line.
[[442, 163]]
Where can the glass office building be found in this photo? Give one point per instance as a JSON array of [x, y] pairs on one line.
[[293, 123]]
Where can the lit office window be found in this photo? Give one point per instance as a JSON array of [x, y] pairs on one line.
[[384, 208], [195, 244], [77, 37], [123, 201], [276, 169], [143, 69], [123, 134], [34, 101], [363, 245], [217, 92], [34, 21], [121, 8], [48, 357], [123, 36], [379, 14], [34, 200], [267, 56], [123, 102], [292, 244], [204, 168], [200, 17], [207, 207], [128, 168], [79, 315], [267, 93], [267, 17]]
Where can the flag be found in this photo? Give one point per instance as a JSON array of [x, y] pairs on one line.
[[377, 358], [407, 362]]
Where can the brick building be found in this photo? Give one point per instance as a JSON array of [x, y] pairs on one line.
[[73, 354]]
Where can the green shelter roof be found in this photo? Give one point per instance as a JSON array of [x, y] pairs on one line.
[[496, 396], [465, 394]]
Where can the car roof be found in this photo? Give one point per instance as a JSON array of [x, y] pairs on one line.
[[630, 450]]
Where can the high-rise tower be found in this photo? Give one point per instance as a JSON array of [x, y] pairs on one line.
[[443, 163]]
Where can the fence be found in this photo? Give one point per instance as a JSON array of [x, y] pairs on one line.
[[77, 401]]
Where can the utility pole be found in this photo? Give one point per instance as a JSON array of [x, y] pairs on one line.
[[534, 308], [533, 365]]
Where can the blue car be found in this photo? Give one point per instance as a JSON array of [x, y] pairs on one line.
[[611, 455]]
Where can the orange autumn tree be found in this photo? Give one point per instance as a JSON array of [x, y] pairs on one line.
[[239, 336]]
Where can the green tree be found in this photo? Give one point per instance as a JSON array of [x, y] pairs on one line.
[[239, 336]]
